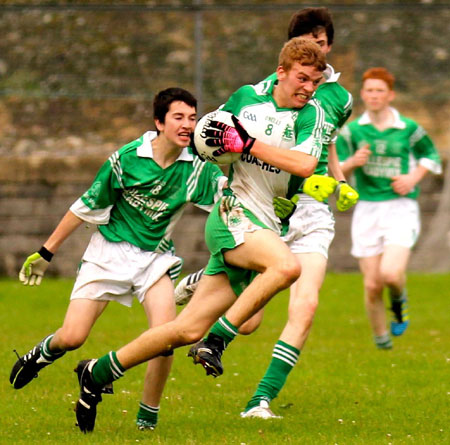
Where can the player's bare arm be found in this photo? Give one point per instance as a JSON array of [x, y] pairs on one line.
[[403, 184], [334, 166], [34, 267], [291, 161], [359, 159], [68, 224]]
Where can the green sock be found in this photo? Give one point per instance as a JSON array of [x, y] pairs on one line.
[[47, 353], [225, 330], [147, 415], [383, 341], [284, 358], [107, 369]]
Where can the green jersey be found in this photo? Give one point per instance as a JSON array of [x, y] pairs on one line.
[[133, 199], [255, 182], [337, 103], [395, 151]]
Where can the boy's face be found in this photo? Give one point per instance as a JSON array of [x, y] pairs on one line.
[[296, 86], [376, 94], [321, 40], [179, 123]]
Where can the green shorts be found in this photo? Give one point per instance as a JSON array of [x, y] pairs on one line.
[[225, 229]]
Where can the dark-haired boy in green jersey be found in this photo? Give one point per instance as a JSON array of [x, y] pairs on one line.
[[136, 199]]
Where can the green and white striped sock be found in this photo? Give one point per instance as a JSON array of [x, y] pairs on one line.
[[47, 353], [107, 369], [147, 416], [284, 358], [225, 330]]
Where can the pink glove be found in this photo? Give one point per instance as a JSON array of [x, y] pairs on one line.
[[228, 139]]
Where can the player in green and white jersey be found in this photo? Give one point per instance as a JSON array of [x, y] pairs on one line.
[[241, 231], [136, 199], [309, 235], [311, 224], [389, 155]]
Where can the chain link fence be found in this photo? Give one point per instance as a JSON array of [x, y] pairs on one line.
[[76, 68]]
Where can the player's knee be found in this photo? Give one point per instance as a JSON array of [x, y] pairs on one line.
[[373, 288], [288, 272], [71, 340], [189, 335], [304, 307], [393, 277], [193, 336]]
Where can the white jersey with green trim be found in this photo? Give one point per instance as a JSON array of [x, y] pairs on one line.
[[133, 199], [337, 103], [254, 182]]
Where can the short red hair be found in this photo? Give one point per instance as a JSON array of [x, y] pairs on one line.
[[380, 73]]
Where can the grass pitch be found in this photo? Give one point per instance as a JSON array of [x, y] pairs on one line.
[[343, 390]]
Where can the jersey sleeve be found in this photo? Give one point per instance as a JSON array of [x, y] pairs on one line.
[[95, 204], [208, 188], [347, 110], [309, 127], [346, 101], [424, 150], [238, 100], [344, 146]]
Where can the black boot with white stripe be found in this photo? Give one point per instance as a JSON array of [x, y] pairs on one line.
[[90, 395], [28, 366]]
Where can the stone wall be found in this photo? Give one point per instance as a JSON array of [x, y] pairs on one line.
[[36, 191], [77, 80]]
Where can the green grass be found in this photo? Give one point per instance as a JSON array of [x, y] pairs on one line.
[[343, 391]]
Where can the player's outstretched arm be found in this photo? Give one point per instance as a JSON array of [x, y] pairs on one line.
[[34, 267]]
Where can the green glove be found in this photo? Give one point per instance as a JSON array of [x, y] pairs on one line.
[[34, 267], [319, 187], [284, 208], [346, 196]]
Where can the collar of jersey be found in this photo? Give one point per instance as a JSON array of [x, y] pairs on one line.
[[398, 123], [145, 150], [331, 75]]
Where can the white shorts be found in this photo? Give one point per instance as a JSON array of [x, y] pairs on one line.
[[376, 224], [311, 228], [119, 271]]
